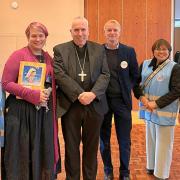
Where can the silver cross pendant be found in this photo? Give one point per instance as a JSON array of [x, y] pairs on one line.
[[82, 75]]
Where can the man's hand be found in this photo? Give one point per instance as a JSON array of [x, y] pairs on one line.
[[86, 98]]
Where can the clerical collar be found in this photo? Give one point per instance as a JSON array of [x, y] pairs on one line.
[[77, 47], [81, 54], [81, 50], [107, 47]]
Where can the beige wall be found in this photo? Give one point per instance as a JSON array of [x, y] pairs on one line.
[[56, 15]]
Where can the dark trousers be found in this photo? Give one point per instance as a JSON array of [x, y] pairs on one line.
[[123, 125], [81, 123]]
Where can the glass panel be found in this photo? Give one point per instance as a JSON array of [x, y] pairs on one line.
[[176, 30]]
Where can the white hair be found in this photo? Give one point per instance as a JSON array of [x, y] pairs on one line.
[[80, 18], [112, 21]]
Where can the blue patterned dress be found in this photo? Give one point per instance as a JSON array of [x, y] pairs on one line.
[[2, 100]]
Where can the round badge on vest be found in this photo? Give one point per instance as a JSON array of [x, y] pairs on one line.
[[124, 64], [160, 78]]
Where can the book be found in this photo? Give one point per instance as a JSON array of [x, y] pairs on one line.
[[32, 74]]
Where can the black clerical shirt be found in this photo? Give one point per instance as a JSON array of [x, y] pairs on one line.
[[86, 84]]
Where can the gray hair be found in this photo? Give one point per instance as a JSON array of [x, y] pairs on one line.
[[113, 21], [81, 19]]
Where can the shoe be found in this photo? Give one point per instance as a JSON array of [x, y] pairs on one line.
[[124, 178], [150, 171], [108, 177]]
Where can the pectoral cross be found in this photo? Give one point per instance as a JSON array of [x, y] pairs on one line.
[[82, 75]]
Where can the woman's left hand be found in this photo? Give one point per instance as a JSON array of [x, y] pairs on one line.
[[151, 105]]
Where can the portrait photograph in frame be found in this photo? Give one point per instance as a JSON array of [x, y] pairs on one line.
[[32, 74]]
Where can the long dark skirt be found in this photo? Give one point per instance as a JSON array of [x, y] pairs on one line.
[[29, 149]]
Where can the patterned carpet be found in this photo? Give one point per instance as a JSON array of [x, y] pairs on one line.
[[138, 157]]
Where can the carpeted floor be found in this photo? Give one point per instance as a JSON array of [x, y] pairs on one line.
[[138, 157]]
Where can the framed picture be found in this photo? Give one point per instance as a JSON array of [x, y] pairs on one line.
[[32, 74]]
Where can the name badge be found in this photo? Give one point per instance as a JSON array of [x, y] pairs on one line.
[[124, 64], [160, 78]]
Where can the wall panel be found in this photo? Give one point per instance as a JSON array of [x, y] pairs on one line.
[[92, 14], [108, 10], [134, 26], [158, 22], [134, 29]]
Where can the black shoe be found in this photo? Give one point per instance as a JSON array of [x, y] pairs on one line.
[[108, 177], [124, 178], [150, 171]]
